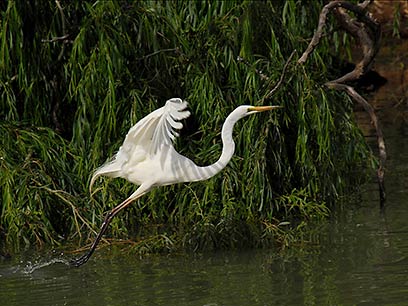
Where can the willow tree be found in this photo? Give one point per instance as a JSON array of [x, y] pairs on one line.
[[76, 75]]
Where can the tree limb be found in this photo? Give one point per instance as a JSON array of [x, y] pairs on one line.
[[368, 33], [277, 85]]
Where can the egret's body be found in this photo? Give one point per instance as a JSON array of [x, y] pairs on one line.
[[147, 157]]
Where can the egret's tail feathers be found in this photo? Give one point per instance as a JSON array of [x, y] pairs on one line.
[[110, 169]]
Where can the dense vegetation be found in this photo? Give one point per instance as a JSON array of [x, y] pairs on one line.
[[76, 75]]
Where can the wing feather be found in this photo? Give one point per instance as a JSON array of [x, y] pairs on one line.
[[169, 122], [147, 137], [156, 129]]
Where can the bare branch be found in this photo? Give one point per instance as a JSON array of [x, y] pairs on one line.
[[54, 39], [359, 10], [375, 122], [64, 37], [368, 33], [273, 90]]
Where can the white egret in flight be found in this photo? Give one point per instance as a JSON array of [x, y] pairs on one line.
[[147, 157]]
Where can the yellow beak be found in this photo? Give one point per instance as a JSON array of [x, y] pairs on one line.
[[263, 108]]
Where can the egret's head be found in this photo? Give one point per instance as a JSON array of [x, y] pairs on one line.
[[245, 110]]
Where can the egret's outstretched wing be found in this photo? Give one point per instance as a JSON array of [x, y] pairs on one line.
[[165, 130], [146, 137], [158, 128]]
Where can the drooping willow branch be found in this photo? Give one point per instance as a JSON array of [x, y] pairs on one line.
[[64, 39], [368, 33]]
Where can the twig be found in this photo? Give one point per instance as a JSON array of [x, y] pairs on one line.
[[259, 72], [76, 214], [54, 39], [64, 37], [278, 84], [266, 78], [175, 50], [368, 33]]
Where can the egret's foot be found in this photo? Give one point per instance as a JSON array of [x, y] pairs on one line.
[[80, 261]]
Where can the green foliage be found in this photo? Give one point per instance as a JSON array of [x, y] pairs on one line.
[[67, 103], [34, 184]]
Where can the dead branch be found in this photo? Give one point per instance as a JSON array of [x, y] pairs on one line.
[[368, 33], [374, 120], [278, 84]]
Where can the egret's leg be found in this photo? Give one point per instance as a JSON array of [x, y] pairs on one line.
[[84, 258], [137, 194]]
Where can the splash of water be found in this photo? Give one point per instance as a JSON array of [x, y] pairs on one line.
[[31, 267]]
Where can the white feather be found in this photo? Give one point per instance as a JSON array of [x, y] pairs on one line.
[[147, 137]]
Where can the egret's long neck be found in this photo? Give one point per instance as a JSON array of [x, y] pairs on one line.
[[228, 147]]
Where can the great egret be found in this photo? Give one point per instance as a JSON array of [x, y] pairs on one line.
[[147, 157]]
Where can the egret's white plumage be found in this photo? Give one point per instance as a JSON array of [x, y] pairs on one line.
[[147, 157], [145, 143]]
